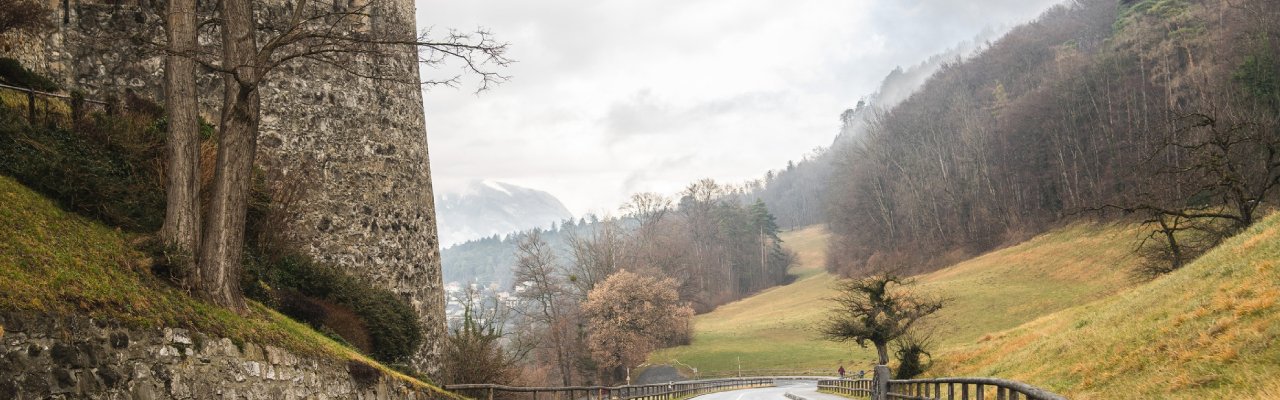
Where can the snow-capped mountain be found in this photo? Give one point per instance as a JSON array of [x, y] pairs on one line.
[[485, 208]]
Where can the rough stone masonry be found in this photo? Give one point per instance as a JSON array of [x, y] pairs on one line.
[[358, 144], [45, 357]]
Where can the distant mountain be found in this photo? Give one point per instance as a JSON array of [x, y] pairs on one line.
[[487, 208]]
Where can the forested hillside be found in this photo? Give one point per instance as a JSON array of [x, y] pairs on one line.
[[715, 248], [567, 288], [1166, 109], [797, 194]]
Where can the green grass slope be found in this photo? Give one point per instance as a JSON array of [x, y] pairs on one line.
[[53, 261], [993, 292], [1209, 330]]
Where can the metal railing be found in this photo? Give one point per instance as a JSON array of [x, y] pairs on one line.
[[662, 391], [940, 389]]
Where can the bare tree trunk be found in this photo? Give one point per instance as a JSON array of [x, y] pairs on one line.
[[882, 351], [223, 240], [181, 227]]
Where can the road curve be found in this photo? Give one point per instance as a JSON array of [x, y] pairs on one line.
[[805, 389]]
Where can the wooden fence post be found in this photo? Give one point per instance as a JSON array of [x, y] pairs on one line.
[[31, 106], [880, 384]]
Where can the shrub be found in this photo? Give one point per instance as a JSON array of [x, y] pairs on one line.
[[109, 170], [328, 317], [912, 352], [327, 298]]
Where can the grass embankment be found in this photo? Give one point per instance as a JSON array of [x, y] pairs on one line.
[[1209, 330], [56, 262], [776, 329]]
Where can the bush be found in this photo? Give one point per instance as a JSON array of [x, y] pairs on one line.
[[335, 320], [325, 297], [110, 170], [912, 352]]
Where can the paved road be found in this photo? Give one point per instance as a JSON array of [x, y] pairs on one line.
[[805, 389], [658, 374]]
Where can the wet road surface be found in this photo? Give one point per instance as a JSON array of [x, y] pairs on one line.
[[806, 389]]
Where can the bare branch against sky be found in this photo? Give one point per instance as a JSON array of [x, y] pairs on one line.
[[614, 97]]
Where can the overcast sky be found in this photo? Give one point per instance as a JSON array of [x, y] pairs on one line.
[[611, 97]]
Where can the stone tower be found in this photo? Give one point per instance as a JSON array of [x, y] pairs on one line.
[[360, 144]]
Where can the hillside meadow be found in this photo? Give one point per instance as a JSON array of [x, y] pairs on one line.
[[776, 329], [1208, 330]]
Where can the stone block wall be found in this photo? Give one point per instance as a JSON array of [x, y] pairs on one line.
[[44, 357], [358, 144]]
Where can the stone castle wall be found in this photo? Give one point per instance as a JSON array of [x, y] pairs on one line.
[[79, 358], [358, 144]]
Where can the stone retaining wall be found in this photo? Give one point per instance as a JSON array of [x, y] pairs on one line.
[[79, 358]]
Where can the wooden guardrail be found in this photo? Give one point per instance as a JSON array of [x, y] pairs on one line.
[[765, 372], [847, 387], [939, 389], [76, 104], [662, 391]]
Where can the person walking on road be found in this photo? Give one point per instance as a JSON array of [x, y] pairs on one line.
[[841, 371]]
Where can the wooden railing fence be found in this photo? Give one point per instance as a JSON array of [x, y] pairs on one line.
[[847, 387], [765, 372], [939, 389], [662, 391], [910, 389], [55, 108]]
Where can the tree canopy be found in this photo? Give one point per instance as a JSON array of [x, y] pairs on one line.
[[876, 309], [629, 315]]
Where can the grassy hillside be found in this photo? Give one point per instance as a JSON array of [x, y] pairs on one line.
[[771, 329], [53, 261], [990, 293], [1206, 331]]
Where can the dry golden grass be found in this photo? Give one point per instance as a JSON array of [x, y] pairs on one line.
[[1206, 331], [1000, 290]]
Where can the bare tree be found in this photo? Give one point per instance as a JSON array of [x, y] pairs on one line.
[[181, 229], [649, 208], [876, 309], [547, 299], [1225, 169], [598, 250], [697, 208], [475, 352], [1234, 166], [1172, 242]]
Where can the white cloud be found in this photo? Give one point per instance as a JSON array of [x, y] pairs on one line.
[[612, 97]]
